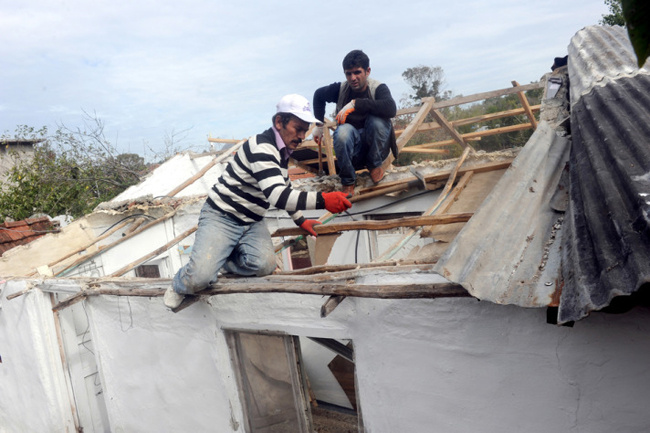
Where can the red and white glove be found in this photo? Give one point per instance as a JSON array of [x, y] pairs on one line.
[[345, 111], [336, 202], [308, 225], [317, 133]]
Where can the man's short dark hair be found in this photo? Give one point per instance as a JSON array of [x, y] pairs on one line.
[[284, 118], [356, 59]]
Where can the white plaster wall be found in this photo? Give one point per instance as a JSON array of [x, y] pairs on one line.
[[446, 365], [460, 365], [468, 366], [34, 396], [163, 372]]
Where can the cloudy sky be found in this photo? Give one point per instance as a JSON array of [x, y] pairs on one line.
[[153, 70]]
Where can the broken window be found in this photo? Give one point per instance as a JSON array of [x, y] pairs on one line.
[[147, 271], [270, 381], [277, 394]]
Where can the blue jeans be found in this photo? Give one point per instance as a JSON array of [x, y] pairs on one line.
[[222, 242], [357, 149]]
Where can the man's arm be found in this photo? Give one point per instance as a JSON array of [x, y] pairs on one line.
[[383, 106], [324, 95]]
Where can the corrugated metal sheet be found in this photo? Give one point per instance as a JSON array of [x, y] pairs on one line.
[[606, 247], [597, 56], [511, 252], [508, 252]]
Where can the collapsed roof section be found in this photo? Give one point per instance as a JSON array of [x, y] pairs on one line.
[[606, 247], [520, 247]]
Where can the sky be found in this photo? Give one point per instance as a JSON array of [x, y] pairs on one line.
[[165, 75]]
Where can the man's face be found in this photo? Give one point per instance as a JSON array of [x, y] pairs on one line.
[[294, 133], [357, 78]]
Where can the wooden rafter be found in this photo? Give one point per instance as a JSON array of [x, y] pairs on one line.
[[526, 105]]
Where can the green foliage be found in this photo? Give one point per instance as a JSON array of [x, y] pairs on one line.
[[637, 17], [70, 173], [426, 81], [615, 17]]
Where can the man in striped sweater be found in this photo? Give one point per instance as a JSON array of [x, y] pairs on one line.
[[232, 233]]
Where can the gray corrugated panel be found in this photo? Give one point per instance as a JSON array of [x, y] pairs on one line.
[[507, 252], [598, 55], [606, 245]]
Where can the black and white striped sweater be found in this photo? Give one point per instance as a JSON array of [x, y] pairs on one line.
[[256, 179]]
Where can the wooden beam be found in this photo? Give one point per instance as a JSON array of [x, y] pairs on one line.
[[450, 129], [441, 176], [329, 150], [154, 253], [432, 126], [418, 221], [334, 301], [410, 130], [526, 105], [485, 95], [413, 149], [223, 140], [471, 136], [104, 248]]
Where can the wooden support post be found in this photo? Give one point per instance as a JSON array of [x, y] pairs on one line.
[[329, 152], [524, 102]]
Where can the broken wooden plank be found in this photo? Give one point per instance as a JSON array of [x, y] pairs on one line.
[[377, 224]]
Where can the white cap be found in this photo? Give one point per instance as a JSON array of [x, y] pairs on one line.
[[298, 106]]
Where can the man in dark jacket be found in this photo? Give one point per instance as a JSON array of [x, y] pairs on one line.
[[364, 135]]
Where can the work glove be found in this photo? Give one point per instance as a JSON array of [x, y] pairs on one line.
[[308, 225], [345, 111], [336, 202], [317, 133]]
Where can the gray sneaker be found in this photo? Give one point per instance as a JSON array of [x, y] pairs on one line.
[[172, 299]]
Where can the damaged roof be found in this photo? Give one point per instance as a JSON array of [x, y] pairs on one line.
[[521, 247], [606, 246], [23, 232]]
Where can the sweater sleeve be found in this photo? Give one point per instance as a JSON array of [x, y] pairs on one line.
[[324, 95], [383, 106]]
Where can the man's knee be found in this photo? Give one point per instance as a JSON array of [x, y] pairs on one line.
[[378, 126], [343, 134], [263, 264]]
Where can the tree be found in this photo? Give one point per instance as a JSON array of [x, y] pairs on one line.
[[426, 81], [615, 17], [71, 172]]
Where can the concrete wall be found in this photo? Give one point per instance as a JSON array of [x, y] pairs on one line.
[[447, 365]]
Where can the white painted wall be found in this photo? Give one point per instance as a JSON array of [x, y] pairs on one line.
[[446, 365], [33, 389]]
